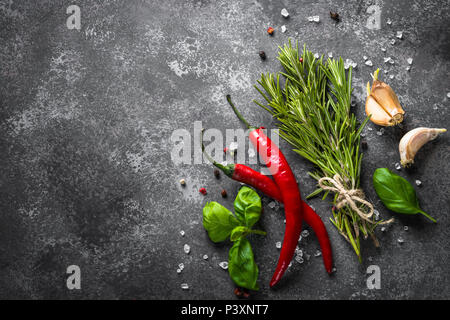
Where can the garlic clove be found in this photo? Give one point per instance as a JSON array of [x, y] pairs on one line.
[[412, 141], [388, 100], [377, 114]]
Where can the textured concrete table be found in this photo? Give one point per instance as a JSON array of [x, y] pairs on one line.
[[87, 177]]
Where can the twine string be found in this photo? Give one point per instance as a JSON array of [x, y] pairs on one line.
[[349, 197]]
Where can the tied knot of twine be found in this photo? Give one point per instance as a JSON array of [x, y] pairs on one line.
[[348, 197]]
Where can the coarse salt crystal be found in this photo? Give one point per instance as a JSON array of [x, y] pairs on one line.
[[283, 28], [369, 63], [409, 60], [284, 13], [184, 286], [187, 249], [223, 265], [349, 63]]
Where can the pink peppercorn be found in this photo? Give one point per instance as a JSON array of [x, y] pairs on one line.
[[202, 191]]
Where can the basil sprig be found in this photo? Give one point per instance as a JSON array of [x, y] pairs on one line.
[[220, 224], [396, 193]]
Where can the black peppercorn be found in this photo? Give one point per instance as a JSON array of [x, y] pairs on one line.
[[334, 16], [364, 144], [217, 173], [224, 193], [262, 55]]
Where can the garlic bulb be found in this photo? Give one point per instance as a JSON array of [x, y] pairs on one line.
[[382, 103], [413, 141]]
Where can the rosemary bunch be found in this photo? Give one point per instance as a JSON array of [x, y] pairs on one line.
[[313, 113]]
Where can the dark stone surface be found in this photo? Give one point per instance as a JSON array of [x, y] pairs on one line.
[[86, 120]]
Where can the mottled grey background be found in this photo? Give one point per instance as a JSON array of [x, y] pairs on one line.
[[86, 119]]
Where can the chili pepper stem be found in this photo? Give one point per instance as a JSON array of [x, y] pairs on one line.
[[226, 169], [238, 114]]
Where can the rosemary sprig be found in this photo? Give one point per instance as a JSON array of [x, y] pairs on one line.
[[313, 113]]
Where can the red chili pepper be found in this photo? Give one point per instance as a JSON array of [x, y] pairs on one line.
[[286, 182], [313, 219], [270, 30], [242, 173], [247, 175]]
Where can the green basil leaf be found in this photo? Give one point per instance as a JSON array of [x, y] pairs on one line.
[[396, 193], [218, 221], [247, 206], [241, 265], [239, 232]]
